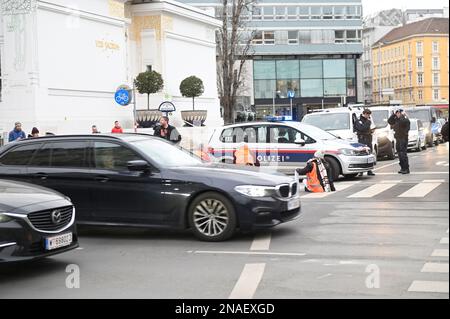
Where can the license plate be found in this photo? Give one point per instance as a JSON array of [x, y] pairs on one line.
[[58, 241], [293, 204]]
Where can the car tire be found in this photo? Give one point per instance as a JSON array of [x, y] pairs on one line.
[[212, 209], [336, 168], [419, 148], [391, 152], [350, 176], [430, 143]]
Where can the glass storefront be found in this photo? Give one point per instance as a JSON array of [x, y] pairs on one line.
[[307, 78]]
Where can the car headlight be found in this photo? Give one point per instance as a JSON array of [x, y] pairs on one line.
[[347, 152], [254, 191], [4, 218]]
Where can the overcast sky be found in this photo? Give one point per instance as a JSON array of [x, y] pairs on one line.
[[371, 6]]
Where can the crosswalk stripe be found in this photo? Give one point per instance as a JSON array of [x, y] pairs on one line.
[[444, 240], [429, 286], [440, 253], [339, 187], [372, 190], [420, 190], [435, 267]]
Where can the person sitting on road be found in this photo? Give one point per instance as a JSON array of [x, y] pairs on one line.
[[243, 156], [318, 175]]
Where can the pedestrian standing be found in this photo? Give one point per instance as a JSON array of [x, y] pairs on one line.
[[166, 131], [34, 133], [364, 131], [95, 129], [444, 132], [400, 122], [17, 133], [117, 128], [318, 174]]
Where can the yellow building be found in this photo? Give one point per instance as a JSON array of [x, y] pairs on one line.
[[410, 64]]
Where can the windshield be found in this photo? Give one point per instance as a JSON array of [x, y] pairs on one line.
[[423, 115], [329, 122], [165, 154], [316, 133], [380, 117]]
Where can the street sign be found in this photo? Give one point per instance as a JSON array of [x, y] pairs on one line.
[[167, 107], [123, 95], [291, 94]]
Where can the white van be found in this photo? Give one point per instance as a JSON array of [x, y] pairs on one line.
[[339, 122]]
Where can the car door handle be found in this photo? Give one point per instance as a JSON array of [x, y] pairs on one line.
[[42, 176], [101, 179]]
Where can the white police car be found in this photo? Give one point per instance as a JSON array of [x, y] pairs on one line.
[[284, 146]]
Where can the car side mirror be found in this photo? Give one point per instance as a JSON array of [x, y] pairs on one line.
[[300, 142], [138, 166]]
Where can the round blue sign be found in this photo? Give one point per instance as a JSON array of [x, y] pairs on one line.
[[122, 97], [291, 94]]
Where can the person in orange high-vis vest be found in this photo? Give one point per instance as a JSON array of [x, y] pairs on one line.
[[318, 174], [243, 156]]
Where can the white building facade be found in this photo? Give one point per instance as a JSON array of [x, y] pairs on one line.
[[62, 61]]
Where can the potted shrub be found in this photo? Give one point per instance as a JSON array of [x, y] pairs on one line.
[[148, 82], [193, 87]]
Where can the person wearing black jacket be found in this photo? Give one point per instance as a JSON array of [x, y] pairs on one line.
[[166, 131], [364, 132], [444, 131], [401, 125]]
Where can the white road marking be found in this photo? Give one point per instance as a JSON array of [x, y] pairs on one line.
[[440, 253], [397, 181], [444, 241], [435, 267], [339, 187], [420, 190], [79, 248], [248, 282], [256, 253], [429, 286], [261, 241], [417, 173], [324, 276], [384, 166], [372, 190], [440, 163], [434, 181]]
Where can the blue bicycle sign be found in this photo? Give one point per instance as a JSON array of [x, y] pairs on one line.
[[122, 97]]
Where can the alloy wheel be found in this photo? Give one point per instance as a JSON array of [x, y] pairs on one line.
[[211, 217]]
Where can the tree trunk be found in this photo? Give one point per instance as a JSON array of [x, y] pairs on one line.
[[148, 102], [193, 109]]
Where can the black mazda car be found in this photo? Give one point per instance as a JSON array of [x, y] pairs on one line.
[[35, 222], [143, 181]]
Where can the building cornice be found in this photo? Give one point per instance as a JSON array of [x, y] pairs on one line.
[[80, 13], [175, 8], [424, 35]]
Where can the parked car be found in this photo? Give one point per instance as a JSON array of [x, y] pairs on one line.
[[427, 115], [339, 122], [384, 132], [284, 146], [143, 181], [416, 136], [35, 222]]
